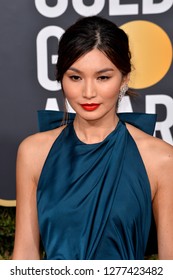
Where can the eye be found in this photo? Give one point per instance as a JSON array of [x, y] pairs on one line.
[[103, 78], [75, 77]]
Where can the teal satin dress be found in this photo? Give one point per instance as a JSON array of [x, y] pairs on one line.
[[94, 200]]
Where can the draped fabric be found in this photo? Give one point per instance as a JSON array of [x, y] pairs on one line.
[[94, 200]]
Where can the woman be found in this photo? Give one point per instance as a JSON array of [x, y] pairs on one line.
[[88, 186]]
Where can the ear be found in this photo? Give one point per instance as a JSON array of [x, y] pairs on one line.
[[125, 80]]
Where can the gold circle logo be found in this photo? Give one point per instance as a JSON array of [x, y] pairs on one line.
[[151, 51]]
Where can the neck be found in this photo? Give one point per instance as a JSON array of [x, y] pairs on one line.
[[96, 131]]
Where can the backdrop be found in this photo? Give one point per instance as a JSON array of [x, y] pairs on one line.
[[29, 34]]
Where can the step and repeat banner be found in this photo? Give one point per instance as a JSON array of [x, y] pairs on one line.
[[29, 36]]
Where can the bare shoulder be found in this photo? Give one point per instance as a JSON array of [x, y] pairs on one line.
[[152, 145], [33, 150], [39, 141], [156, 154]]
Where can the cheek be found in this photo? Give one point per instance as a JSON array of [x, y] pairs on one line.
[[111, 91], [70, 95], [68, 89]]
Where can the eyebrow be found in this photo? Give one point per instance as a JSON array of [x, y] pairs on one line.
[[99, 72]]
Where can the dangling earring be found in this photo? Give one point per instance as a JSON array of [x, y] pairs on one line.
[[122, 92]]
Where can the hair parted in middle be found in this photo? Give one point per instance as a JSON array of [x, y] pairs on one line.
[[89, 33]]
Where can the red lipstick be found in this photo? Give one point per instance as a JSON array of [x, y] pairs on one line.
[[90, 106]]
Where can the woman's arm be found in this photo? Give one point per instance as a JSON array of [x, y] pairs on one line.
[[26, 245], [30, 159], [157, 156], [163, 203]]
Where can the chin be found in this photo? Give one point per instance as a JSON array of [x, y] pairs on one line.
[[91, 116]]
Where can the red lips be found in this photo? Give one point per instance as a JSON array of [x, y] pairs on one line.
[[90, 106]]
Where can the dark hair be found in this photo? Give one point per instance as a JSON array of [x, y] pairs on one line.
[[89, 33]]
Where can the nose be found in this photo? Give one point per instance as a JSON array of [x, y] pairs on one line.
[[89, 90]]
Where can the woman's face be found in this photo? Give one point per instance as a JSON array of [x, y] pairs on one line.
[[92, 84]]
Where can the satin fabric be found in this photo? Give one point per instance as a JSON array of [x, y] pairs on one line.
[[94, 200]]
